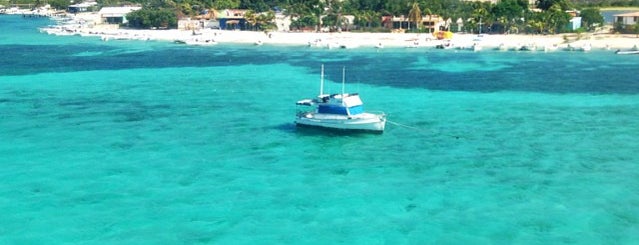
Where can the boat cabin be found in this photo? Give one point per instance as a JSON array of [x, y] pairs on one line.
[[337, 104]]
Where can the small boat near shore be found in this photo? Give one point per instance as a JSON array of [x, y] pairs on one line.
[[199, 42], [586, 47], [476, 47], [627, 52], [343, 111], [528, 47], [502, 47], [447, 44], [551, 48], [348, 45], [633, 50]]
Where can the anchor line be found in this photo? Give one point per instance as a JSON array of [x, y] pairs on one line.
[[408, 127], [418, 129], [403, 125]]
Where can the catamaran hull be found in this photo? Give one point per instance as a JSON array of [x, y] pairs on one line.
[[376, 125]]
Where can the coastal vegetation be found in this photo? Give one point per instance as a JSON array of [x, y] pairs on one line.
[[506, 16], [152, 18]]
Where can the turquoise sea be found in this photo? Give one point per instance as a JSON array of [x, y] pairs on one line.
[[134, 142]]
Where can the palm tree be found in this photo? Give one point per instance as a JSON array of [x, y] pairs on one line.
[[250, 18], [415, 15], [504, 21], [480, 15], [335, 8], [430, 18], [556, 18], [370, 16], [318, 10], [265, 21], [305, 9]]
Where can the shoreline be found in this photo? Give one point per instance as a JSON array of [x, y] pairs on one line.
[[567, 41], [203, 37]]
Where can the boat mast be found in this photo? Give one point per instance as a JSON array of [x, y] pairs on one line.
[[322, 81], [343, 79]]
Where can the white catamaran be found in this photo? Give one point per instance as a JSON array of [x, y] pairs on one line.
[[338, 111]]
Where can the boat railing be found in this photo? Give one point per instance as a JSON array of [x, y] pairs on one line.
[[303, 113]]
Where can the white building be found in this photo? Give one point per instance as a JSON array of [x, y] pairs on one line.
[[115, 15], [81, 7], [575, 23], [627, 19], [283, 22]]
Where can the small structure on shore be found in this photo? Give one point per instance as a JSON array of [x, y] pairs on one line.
[[627, 20], [81, 7], [116, 15], [231, 19], [430, 22]]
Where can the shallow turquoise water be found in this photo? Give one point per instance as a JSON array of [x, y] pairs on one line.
[[149, 142]]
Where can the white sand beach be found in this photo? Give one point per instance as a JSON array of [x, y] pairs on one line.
[[569, 41], [354, 40]]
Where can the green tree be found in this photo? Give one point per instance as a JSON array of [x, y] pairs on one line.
[[415, 15], [251, 19], [510, 10], [304, 21], [430, 18], [186, 9], [480, 16], [266, 21], [302, 10], [591, 18], [59, 4], [256, 5], [226, 4], [367, 18], [364, 5], [536, 25], [618, 27], [150, 17], [159, 4], [547, 4], [333, 18], [395, 7], [556, 19]]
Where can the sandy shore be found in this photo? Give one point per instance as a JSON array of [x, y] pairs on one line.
[[568, 41], [354, 40]]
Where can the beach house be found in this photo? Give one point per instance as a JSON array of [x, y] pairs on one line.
[[228, 19], [428, 22], [82, 7], [231, 19], [626, 20], [116, 15], [282, 21], [206, 19]]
